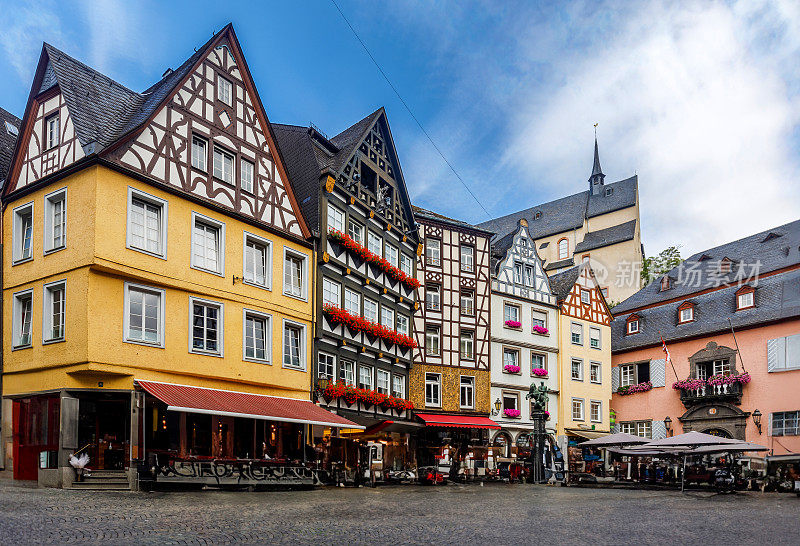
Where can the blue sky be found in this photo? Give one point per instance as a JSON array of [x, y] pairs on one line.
[[700, 99]]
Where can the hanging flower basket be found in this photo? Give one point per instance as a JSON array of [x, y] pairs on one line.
[[540, 330], [512, 413], [729, 379], [511, 368], [539, 372], [633, 389], [337, 315], [378, 262], [513, 324], [690, 384]]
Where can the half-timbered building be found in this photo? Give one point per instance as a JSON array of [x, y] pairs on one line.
[[584, 359], [524, 343], [352, 191], [449, 383], [156, 280]]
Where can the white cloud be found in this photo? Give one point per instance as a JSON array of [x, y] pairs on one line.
[[24, 30], [115, 33]]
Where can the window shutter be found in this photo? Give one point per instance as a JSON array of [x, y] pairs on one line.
[[658, 376], [769, 430], [616, 428], [614, 379], [659, 430], [792, 352], [776, 354]]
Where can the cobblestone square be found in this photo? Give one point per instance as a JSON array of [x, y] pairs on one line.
[[453, 514]]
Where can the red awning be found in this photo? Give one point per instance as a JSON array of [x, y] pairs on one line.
[[242, 404], [457, 421]]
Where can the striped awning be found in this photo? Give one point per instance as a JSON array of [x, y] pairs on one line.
[[242, 404]]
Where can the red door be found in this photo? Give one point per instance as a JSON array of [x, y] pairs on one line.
[[26, 458]]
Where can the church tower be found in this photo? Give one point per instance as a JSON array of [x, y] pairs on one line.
[[597, 177]]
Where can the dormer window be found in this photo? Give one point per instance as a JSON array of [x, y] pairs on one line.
[[665, 284], [725, 266], [53, 126], [745, 298], [685, 313], [609, 191], [537, 215], [632, 324]]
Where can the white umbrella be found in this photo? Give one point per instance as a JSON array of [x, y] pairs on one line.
[[722, 448], [615, 440]]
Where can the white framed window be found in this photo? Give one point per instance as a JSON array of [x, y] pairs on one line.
[[147, 223], [468, 302], [432, 346], [22, 319], [208, 244], [391, 254], [374, 243], [356, 232], [406, 264], [467, 399], [331, 292], [518, 279], [398, 386], [595, 411], [433, 389], [577, 369], [510, 400], [539, 361], [199, 153], [257, 261], [510, 312], [577, 409], [53, 125], [364, 377], [257, 336], [467, 345], [295, 266], [595, 372], [433, 251], [786, 423], [633, 326], [144, 315], [382, 381], [402, 324], [563, 249], [206, 318], [433, 297], [387, 317], [370, 310], [627, 428], [352, 302], [627, 375], [55, 221], [510, 357], [54, 312], [467, 258], [529, 276], [687, 314], [326, 366], [294, 345], [644, 429], [586, 296], [224, 90], [247, 170], [539, 318], [223, 165], [22, 250], [347, 372], [744, 300], [576, 333], [335, 218], [594, 337]]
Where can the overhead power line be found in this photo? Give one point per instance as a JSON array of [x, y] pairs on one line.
[[396, 92]]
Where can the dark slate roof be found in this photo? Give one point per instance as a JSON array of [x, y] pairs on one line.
[[694, 274], [559, 264], [568, 212], [608, 236], [347, 140], [7, 141], [596, 166], [300, 157], [562, 283], [424, 214], [777, 296]]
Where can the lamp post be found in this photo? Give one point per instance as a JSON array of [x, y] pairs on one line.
[[757, 419], [668, 425]]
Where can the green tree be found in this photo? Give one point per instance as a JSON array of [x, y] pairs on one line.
[[655, 266]]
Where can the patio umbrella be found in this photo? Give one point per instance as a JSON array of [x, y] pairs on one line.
[[615, 440], [722, 448]]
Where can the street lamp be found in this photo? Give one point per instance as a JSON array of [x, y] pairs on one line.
[[668, 425], [757, 420], [497, 405]]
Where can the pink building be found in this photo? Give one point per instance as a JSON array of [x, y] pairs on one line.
[[730, 317]]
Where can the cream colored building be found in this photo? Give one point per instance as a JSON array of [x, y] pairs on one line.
[[600, 225]]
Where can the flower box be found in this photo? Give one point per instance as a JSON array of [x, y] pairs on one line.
[[539, 372], [511, 368], [541, 330], [351, 395], [633, 389], [374, 260], [513, 324], [512, 413], [337, 315]]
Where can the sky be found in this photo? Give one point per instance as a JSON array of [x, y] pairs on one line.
[[701, 100]]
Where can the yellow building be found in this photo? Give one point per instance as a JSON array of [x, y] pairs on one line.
[[152, 245], [584, 358]]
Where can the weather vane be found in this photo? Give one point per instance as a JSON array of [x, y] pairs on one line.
[[595, 130]]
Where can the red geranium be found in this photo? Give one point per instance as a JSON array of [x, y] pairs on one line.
[[354, 247], [337, 315]]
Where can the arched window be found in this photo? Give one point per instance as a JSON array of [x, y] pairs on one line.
[[563, 249]]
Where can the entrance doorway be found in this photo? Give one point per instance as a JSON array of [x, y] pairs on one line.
[[104, 430], [718, 432]]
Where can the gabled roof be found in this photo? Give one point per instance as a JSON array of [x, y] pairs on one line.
[[348, 140], [559, 264], [7, 140], [567, 212], [561, 283], [424, 214], [608, 236]]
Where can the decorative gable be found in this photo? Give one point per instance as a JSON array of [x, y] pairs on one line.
[[585, 301], [520, 272]]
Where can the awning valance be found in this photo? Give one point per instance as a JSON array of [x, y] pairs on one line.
[[588, 434], [457, 421], [242, 404]]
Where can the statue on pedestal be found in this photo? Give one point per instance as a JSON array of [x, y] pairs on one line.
[[539, 396]]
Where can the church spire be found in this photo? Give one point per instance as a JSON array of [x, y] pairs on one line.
[[597, 177]]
